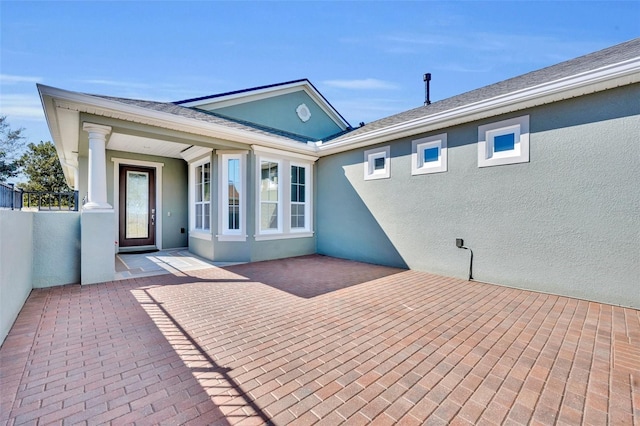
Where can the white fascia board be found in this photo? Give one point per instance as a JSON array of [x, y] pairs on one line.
[[327, 108], [285, 154], [113, 109], [608, 77], [66, 146]]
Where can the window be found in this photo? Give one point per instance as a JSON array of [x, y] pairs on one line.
[[202, 196], [269, 196], [232, 196], [429, 155], [377, 164], [504, 142], [299, 205], [284, 198]]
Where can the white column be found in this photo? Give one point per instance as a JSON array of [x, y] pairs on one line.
[[97, 194]]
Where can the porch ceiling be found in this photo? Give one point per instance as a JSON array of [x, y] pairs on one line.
[[145, 145]]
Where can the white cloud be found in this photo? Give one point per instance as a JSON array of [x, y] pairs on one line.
[[20, 106], [16, 79], [356, 110], [364, 84], [115, 83], [463, 68], [158, 91]]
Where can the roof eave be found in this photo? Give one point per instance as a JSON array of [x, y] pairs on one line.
[[604, 78], [54, 99], [67, 150]]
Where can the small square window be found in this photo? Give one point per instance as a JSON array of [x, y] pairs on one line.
[[376, 163], [504, 142], [429, 155]]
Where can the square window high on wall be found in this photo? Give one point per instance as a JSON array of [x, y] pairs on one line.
[[429, 155], [504, 142], [377, 164]]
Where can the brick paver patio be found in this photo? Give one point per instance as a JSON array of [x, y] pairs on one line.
[[317, 340]]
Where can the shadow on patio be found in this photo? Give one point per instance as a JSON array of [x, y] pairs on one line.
[[313, 275]]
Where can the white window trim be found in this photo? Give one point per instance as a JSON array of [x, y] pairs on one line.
[[418, 146], [284, 230], [308, 205], [259, 160], [520, 154], [226, 234], [370, 156], [193, 232], [116, 194]]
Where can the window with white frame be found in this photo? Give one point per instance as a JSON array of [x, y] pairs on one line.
[[232, 221], [270, 196], [285, 195], [504, 142], [202, 195], [377, 163], [429, 155], [299, 207]]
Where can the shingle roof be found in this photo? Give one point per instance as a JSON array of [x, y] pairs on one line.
[[609, 56]]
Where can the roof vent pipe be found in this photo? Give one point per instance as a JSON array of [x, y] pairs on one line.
[[427, 80]]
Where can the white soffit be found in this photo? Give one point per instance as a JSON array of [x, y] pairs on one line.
[[68, 134], [195, 152], [142, 145]]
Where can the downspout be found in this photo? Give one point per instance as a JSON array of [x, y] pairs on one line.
[[76, 174]]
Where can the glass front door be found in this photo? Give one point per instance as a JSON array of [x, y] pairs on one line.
[[137, 206]]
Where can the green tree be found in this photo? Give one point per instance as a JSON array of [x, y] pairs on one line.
[[11, 145], [41, 166]]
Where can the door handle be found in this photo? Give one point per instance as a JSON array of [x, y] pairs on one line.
[[153, 217]]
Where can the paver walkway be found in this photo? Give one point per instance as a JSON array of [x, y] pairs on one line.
[[317, 340]]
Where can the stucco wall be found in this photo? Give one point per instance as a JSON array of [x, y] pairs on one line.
[[201, 247], [16, 260], [56, 248], [567, 222], [37, 249]]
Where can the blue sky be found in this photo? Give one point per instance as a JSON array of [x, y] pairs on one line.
[[367, 58]]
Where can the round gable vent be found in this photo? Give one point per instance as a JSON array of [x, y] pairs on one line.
[[303, 112]]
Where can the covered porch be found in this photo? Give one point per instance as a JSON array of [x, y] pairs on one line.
[[163, 175]]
